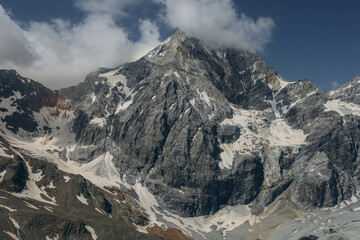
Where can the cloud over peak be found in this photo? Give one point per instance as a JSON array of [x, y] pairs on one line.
[[217, 23], [60, 53]]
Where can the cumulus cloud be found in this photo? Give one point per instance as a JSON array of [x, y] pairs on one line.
[[61, 53], [14, 47], [217, 23]]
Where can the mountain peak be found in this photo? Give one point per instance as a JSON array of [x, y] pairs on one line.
[[180, 43], [348, 92], [9, 71]]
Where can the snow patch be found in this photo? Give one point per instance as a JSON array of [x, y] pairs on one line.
[[255, 132], [31, 206], [226, 219], [203, 96], [342, 108], [177, 74], [13, 236], [356, 209], [273, 103], [18, 94], [82, 199], [172, 106], [147, 201], [43, 143], [98, 121], [3, 153], [180, 191], [221, 55], [163, 53], [98, 210], [352, 200], [60, 122], [32, 190], [10, 106], [287, 108], [282, 84], [281, 134], [92, 232], [2, 174], [54, 238], [166, 41], [8, 208], [100, 171], [110, 73], [113, 80], [51, 185], [48, 209], [227, 156], [124, 105], [93, 98], [16, 225], [67, 178]]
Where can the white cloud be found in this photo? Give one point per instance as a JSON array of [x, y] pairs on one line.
[[14, 47], [217, 23], [114, 7], [60, 54], [334, 85]]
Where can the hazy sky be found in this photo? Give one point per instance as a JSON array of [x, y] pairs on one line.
[[59, 42]]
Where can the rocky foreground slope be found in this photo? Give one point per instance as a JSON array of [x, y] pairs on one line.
[[188, 142]]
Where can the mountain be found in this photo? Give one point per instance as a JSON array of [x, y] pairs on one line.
[[188, 142]]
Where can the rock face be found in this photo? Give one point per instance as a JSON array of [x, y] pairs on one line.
[[20, 97], [186, 129]]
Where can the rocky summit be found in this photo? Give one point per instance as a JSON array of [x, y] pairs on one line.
[[188, 142]]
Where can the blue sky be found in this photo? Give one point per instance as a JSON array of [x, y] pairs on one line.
[[319, 40]]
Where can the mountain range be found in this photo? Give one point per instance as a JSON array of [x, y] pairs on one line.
[[188, 142]]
